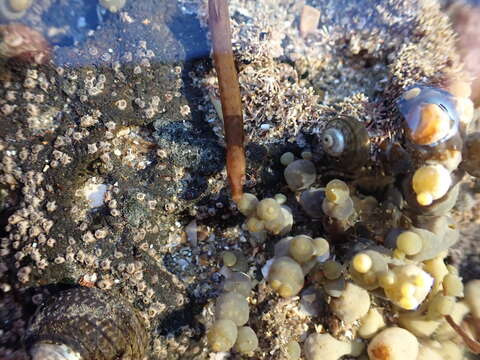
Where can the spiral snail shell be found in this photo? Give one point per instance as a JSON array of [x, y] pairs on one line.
[[86, 324], [430, 115], [346, 140]]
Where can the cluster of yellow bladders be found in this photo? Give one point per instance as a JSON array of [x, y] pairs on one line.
[[411, 274], [394, 298]]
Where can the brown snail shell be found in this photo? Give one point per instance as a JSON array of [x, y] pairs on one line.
[[86, 324], [346, 141]]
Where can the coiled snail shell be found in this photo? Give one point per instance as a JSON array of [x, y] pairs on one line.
[[346, 140], [430, 115], [86, 324]]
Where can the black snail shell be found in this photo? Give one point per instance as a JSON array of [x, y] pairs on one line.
[[346, 140], [86, 324]]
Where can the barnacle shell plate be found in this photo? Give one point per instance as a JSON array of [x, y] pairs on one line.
[[430, 115]]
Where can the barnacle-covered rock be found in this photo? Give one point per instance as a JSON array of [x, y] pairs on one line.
[[346, 141], [430, 115], [94, 324], [24, 43]]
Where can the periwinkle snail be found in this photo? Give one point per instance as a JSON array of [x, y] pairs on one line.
[[86, 324], [346, 140]]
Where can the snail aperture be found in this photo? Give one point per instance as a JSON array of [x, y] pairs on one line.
[[346, 140], [333, 142]]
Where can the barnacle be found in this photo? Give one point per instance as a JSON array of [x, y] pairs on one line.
[[346, 140], [24, 43], [430, 115]]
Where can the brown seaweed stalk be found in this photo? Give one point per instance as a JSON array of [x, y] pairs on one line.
[[219, 21], [473, 345]]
